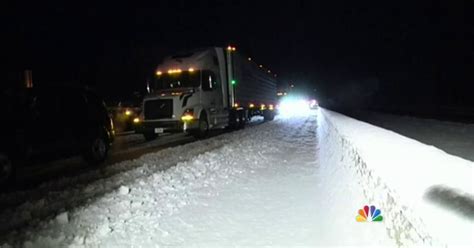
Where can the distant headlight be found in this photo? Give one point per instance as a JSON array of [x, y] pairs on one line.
[[128, 112], [136, 120], [293, 107]]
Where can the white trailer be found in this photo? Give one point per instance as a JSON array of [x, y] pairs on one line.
[[206, 89]]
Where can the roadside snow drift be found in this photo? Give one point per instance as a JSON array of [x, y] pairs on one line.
[[452, 137], [426, 196], [262, 186], [296, 181]]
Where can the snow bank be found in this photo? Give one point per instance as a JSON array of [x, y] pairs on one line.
[[289, 182], [262, 186], [452, 137], [425, 195]]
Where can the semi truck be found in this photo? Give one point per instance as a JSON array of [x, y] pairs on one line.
[[204, 89]]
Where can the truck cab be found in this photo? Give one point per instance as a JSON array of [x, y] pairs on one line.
[[188, 93], [205, 89]]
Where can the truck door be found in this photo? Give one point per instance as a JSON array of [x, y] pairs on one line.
[[212, 97]]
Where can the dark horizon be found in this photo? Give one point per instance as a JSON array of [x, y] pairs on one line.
[[411, 53]]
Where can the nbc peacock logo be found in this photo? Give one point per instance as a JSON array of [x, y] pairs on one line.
[[371, 214]]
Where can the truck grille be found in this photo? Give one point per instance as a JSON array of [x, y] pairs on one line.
[[158, 109]]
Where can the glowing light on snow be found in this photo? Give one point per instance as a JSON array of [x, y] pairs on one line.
[[292, 106]]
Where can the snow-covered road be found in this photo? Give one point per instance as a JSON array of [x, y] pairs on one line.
[[261, 186]]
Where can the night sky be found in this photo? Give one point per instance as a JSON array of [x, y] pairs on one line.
[[420, 52]]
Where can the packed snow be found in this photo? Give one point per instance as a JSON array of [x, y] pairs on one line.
[[297, 181], [260, 186], [452, 137], [426, 194]]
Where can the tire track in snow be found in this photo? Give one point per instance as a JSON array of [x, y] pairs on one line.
[[68, 193], [150, 187]]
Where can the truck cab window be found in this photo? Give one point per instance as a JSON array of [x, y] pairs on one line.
[[209, 80], [177, 80]]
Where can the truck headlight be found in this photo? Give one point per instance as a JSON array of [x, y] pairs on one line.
[[188, 115]]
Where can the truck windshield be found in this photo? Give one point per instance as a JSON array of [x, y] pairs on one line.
[[178, 80]]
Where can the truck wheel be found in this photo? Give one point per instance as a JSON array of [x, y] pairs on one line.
[[6, 170], [96, 150], [268, 115], [150, 136], [237, 119], [203, 127]]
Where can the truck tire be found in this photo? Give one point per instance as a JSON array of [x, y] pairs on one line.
[[203, 127], [243, 119], [96, 149], [268, 115], [237, 119], [150, 136], [233, 120]]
